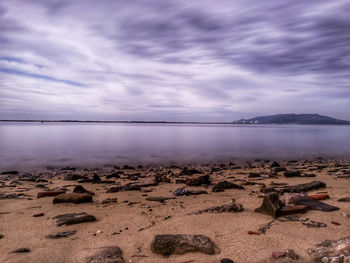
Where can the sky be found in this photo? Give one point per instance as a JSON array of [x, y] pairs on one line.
[[173, 60]]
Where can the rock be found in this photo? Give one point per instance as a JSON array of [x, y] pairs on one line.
[[299, 188], [96, 178], [161, 199], [68, 168], [114, 174], [111, 254], [233, 207], [344, 176], [253, 233], [275, 164], [204, 179], [9, 172], [75, 218], [331, 251], [168, 244], [292, 174], [293, 209], [221, 186], [189, 171], [74, 177], [127, 167], [184, 191], [81, 190], [72, 198], [226, 260], [319, 197], [124, 188], [61, 234], [1, 236], [317, 205], [291, 198], [289, 253], [254, 175], [50, 193], [21, 250], [38, 215], [271, 205], [9, 196], [161, 178], [197, 192], [278, 169], [109, 200], [344, 199]]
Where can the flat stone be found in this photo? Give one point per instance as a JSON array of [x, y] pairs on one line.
[[271, 205], [74, 177], [197, 181], [21, 250], [317, 205], [38, 215], [74, 218], [109, 200], [161, 199], [168, 244], [233, 207], [221, 186], [72, 198], [226, 260], [110, 254], [292, 174], [344, 199], [61, 234], [189, 171], [50, 193], [81, 190], [299, 188], [294, 209], [124, 188]]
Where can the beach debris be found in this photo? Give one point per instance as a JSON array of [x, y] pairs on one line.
[[319, 197], [331, 251], [50, 193], [81, 190], [317, 205], [293, 209], [168, 244], [232, 207], [271, 205], [221, 186], [74, 218], [21, 250], [72, 198], [109, 201], [189, 171], [197, 181], [226, 260], [110, 254], [38, 215], [299, 188], [61, 234], [344, 199], [160, 199], [288, 253]]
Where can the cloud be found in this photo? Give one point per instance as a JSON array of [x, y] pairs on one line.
[[176, 60]]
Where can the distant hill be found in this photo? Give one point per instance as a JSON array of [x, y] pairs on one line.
[[293, 119]]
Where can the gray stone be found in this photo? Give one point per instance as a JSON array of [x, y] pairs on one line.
[[110, 254]]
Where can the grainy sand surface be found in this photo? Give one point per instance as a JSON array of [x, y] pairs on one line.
[[227, 230]]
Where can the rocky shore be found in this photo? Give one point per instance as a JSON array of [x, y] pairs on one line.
[[259, 211]]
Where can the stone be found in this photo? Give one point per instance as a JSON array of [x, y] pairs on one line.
[[81, 190], [294, 209], [110, 254], [21, 250], [161, 199], [221, 186], [72, 198], [291, 198], [331, 251], [344, 176], [61, 234], [124, 188], [344, 199], [253, 233], [38, 215], [233, 207], [275, 164], [278, 169], [168, 244], [189, 171], [74, 218], [288, 253], [317, 205], [9, 172], [319, 197], [109, 200], [299, 188], [128, 167], [50, 193], [271, 205], [226, 260], [74, 177], [197, 181], [254, 175], [185, 192], [292, 174]]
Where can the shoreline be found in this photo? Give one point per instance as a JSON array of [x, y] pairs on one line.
[[130, 218]]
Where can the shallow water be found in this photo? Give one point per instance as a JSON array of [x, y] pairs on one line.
[[25, 145]]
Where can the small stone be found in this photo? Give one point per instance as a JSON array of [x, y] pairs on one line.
[[38, 215], [253, 233], [50, 193], [226, 260], [61, 234], [221, 186], [81, 190], [75, 218], [109, 201], [292, 174], [111, 254], [21, 250]]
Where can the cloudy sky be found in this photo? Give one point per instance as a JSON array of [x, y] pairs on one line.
[[173, 60]]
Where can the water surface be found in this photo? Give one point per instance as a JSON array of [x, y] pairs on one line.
[[24, 145]]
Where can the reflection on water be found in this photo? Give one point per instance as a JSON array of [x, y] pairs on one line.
[[60, 144]]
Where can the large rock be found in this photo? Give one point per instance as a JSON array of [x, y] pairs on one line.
[[72, 198], [75, 218], [271, 205], [197, 181], [221, 186], [331, 251], [299, 188], [111, 254], [317, 205], [180, 244]]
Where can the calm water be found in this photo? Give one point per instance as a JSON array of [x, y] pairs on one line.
[[25, 145]]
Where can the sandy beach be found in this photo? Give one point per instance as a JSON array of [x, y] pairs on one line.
[[131, 222]]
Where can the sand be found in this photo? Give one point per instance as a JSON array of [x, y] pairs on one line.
[[119, 224]]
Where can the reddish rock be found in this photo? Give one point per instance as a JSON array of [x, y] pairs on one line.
[[49, 193]]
